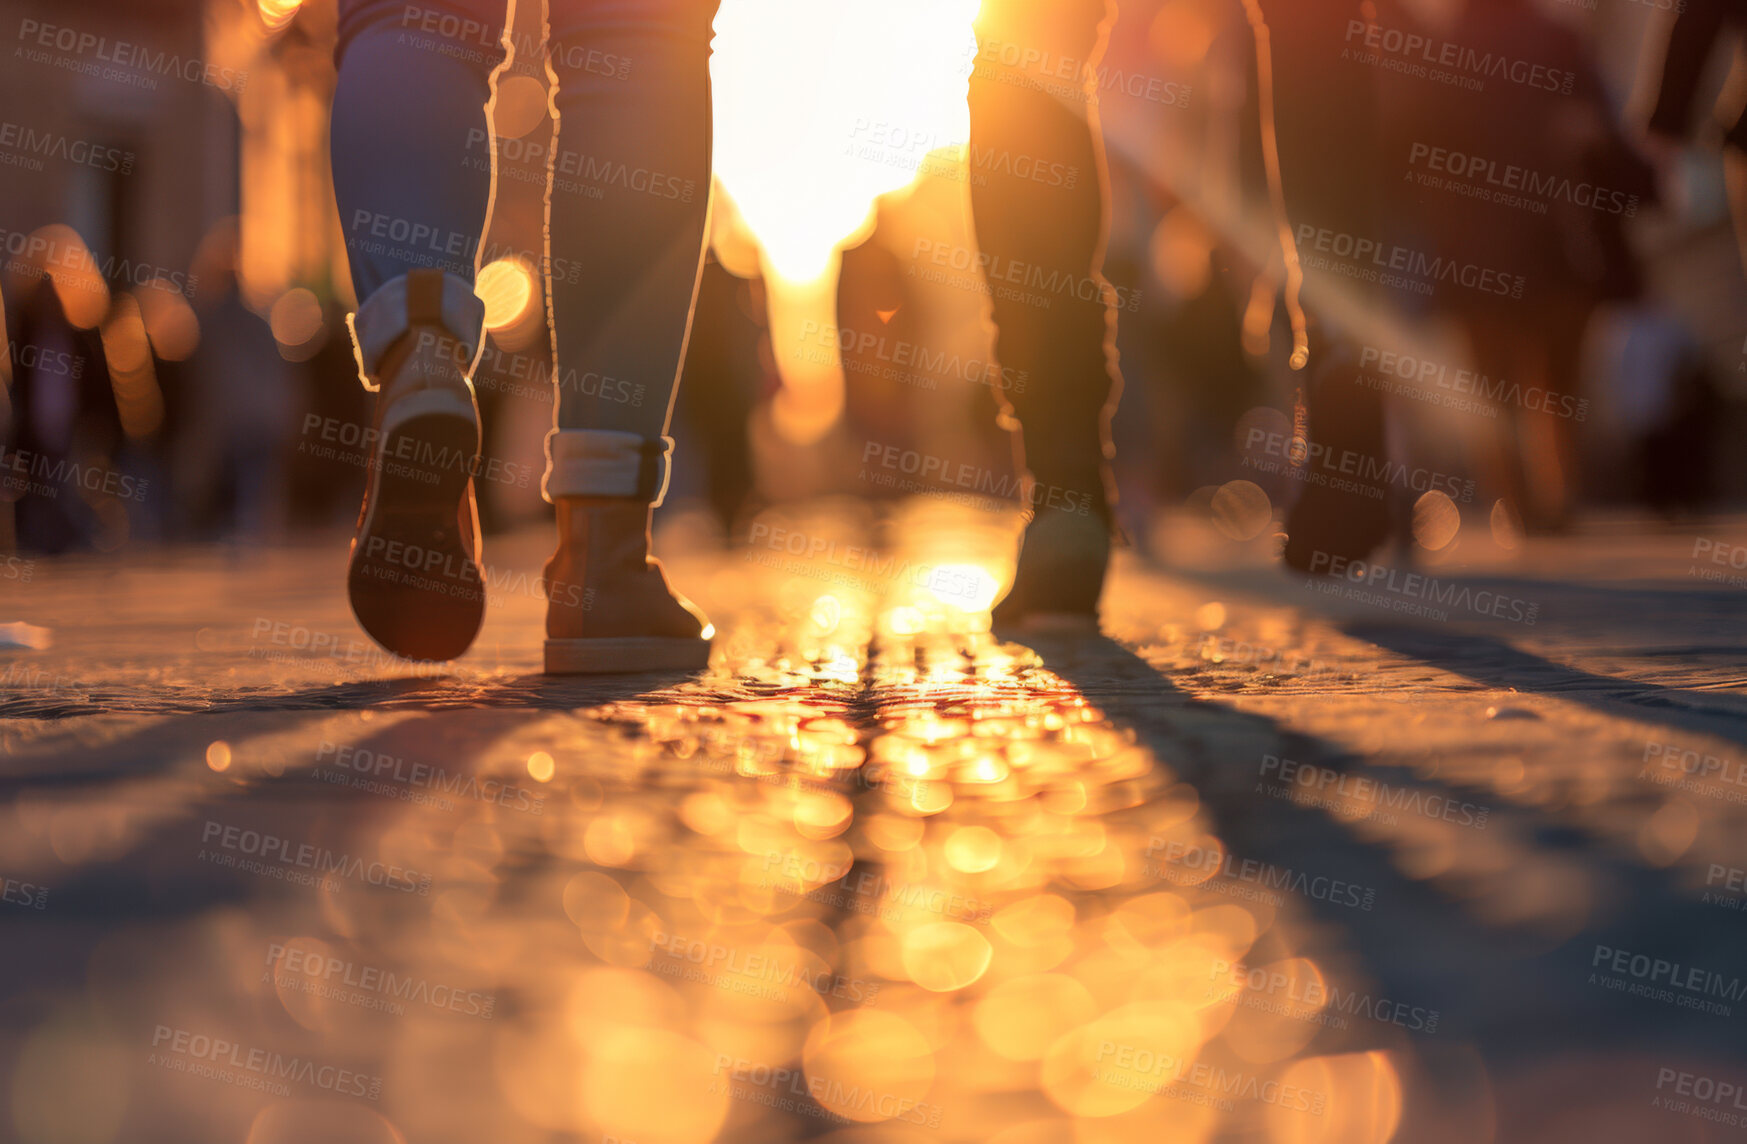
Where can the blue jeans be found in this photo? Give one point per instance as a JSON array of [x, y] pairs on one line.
[[629, 200]]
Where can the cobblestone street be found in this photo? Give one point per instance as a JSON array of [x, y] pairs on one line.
[[1436, 856]]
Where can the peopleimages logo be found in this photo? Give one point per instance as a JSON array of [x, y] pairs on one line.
[[1320, 460], [488, 38], [1309, 998], [26, 894], [734, 969], [1327, 787], [40, 39], [375, 766], [896, 142], [1067, 77], [759, 1083], [1417, 586], [1010, 279], [928, 364], [29, 144], [61, 363], [1467, 67], [942, 473], [1124, 1065], [1391, 264], [1721, 1101], [1507, 177], [263, 1066], [268, 853], [55, 474], [1689, 987], [1187, 864], [1426, 372], [37, 254], [572, 171], [368, 986]]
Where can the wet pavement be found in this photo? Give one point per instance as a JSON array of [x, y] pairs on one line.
[[1449, 853]]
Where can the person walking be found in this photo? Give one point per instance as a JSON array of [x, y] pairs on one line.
[[632, 95]]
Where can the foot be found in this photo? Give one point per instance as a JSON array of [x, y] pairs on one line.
[[1062, 560], [1329, 525], [414, 580], [609, 606]]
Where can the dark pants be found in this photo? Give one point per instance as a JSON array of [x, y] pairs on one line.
[[1044, 239]]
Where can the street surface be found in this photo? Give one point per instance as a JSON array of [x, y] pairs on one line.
[[1450, 854]]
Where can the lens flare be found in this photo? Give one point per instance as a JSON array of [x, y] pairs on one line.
[[277, 14]]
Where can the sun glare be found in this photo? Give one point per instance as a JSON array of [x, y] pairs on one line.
[[276, 14], [822, 108]]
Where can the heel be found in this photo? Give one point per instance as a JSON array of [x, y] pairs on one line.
[[415, 585]]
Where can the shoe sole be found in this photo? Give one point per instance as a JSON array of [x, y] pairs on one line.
[[624, 655], [414, 586]]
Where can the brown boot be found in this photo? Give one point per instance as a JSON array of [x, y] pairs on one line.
[[414, 580], [609, 606]]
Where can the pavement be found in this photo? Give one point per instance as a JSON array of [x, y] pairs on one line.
[[1447, 851]]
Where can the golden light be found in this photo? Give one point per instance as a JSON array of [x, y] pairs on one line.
[[1362, 1096], [655, 1085], [290, 1122], [973, 849], [171, 325], [519, 107], [1183, 31], [1436, 520], [861, 1051], [969, 587], [276, 14], [298, 323], [1103, 1068], [541, 768], [1021, 1018], [1182, 254], [138, 400], [1276, 1012], [506, 286], [887, 84], [218, 755], [945, 956], [1241, 510], [83, 294], [1669, 833]]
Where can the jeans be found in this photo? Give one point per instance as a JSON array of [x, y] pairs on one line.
[[629, 200], [629, 197]]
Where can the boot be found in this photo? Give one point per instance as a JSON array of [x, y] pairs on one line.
[[609, 607], [414, 579], [1063, 557]]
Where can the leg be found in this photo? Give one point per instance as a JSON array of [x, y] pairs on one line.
[[1326, 129], [628, 209], [1062, 340], [411, 95], [412, 181]]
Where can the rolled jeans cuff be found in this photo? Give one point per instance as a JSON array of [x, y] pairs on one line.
[[426, 298], [606, 463]]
